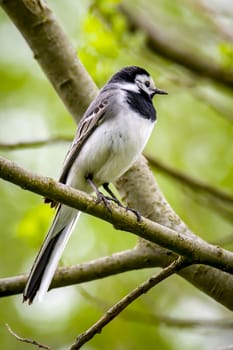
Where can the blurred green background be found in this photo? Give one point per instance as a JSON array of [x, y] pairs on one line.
[[194, 135]]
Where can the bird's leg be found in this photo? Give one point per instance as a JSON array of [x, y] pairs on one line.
[[105, 199], [116, 200], [100, 196], [112, 195]]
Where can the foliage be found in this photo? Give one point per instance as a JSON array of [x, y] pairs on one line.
[[105, 36]]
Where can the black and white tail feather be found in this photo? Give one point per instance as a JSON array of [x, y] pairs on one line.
[[110, 137], [50, 253]]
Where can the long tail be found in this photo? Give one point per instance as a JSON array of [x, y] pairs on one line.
[[49, 255]]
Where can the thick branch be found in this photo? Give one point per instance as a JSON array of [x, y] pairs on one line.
[[217, 284], [193, 248], [54, 52], [154, 206]]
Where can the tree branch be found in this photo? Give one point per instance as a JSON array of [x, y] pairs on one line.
[[192, 183], [28, 341], [194, 248], [116, 309], [16, 146], [49, 44], [219, 200], [215, 283]]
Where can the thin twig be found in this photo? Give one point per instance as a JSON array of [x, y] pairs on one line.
[[26, 340], [190, 181], [116, 309], [218, 200], [221, 108], [33, 144], [218, 105]]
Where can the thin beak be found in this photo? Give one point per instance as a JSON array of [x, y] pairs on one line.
[[159, 92]]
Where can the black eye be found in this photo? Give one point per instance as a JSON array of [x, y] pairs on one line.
[[147, 83]]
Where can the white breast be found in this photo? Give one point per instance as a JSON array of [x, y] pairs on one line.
[[112, 148], [131, 134]]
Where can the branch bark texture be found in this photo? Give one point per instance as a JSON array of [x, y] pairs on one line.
[[215, 283], [54, 53], [192, 247]]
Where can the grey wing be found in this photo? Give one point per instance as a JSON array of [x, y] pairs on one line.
[[90, 121], [94, 115]]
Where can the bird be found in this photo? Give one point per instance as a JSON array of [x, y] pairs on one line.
[[110, 137]]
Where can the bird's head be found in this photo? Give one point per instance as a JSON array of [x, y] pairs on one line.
[[136, 79]]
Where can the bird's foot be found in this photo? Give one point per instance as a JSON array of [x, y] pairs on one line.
[[105, 200], [135, 212]]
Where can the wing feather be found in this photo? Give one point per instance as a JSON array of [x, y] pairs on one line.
[[93, 117], [86, 127]]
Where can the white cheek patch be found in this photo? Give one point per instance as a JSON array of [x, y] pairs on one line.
[[129, 87]]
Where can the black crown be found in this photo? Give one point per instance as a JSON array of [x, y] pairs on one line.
[[128, 74]]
